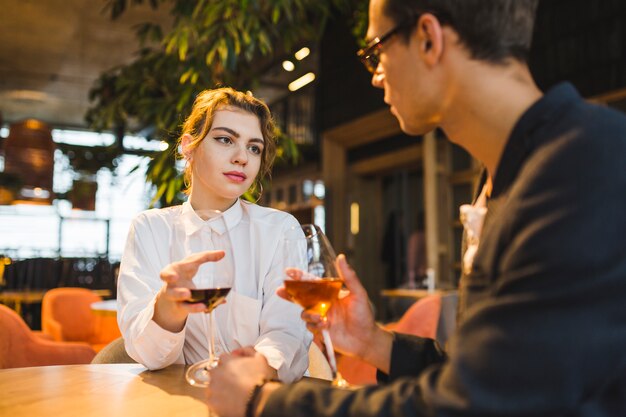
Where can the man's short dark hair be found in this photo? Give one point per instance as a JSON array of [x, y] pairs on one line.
[[491, 30]]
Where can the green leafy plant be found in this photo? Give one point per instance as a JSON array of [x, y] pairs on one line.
[[210, 43]]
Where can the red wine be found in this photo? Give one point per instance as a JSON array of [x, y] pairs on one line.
[[316, 295], [210, 297]]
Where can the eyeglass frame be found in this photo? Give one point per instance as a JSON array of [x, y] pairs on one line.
[[372, 49]]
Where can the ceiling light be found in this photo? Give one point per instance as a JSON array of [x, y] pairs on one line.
[[301, 82], [288, 66], [302, 53], [27, 95]]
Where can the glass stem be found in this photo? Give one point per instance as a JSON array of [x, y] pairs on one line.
[[212, 358], [330, 352], [209, 326]]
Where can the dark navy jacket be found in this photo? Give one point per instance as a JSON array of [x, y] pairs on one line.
[[544, 333]]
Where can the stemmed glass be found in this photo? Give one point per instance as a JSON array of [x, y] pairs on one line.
[[318, 286], [215, 280]]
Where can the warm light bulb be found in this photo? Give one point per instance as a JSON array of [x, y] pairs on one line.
[[301, 82], [302, 53], [288, 66]]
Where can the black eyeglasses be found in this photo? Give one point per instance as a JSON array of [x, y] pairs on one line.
[[370, 55]]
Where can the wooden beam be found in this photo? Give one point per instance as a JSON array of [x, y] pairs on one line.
[[335, 144], [431, 206], [372, 127], [334, 174], [395, 159], [609, 97]]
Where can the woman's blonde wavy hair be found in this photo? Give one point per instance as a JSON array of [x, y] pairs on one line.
[[199, 122]]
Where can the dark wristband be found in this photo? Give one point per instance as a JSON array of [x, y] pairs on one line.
[[252, 399]]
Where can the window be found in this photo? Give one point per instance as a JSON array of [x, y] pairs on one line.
[[56, 230]]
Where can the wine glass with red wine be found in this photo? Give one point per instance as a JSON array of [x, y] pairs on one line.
[[214, 281], [318, 286]]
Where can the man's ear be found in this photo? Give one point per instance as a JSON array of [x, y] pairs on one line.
[[430, 36], [185, 146]]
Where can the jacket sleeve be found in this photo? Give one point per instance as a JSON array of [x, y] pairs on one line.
[[410, 356]]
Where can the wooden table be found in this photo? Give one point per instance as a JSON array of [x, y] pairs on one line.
[[99, 391], [15, 299], [406, 293], [105, 308]]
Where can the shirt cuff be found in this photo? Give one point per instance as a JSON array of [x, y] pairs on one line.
[[274, 357], [160, 347]]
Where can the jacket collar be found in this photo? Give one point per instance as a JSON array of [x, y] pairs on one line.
[[527, 132]]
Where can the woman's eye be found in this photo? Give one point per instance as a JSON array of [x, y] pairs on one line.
[[223, 139], [257, 150]]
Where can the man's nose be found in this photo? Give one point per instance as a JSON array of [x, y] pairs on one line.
[[378, 78]]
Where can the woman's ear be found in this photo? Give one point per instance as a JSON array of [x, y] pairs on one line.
[[185, 146]]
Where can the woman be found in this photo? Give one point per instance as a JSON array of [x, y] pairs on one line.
[[228, 145]]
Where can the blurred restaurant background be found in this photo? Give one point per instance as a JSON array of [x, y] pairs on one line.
[[90, 106]]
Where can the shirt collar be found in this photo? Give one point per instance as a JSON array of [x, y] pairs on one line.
[[192, 223]]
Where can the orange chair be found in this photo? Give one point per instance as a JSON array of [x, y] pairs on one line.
[[20, 347], [66, 315], [421, 319]]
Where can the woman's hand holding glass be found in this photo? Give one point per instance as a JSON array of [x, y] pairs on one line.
[[171, 308]]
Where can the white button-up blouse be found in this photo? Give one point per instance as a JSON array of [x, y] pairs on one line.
[[253, 314]]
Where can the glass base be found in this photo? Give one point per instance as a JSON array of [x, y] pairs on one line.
[[339, 382], [199, 374]]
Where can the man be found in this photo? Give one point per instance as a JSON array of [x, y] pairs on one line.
[[543, 332]]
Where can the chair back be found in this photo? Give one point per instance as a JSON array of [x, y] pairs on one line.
[[66, 314], [421, 319], [114, 352], [20, 347], [318, 364], [14, 334]]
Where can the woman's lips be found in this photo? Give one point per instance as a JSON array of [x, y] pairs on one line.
[[236, 176]]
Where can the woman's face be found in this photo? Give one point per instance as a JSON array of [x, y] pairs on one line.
[[226, 162]]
